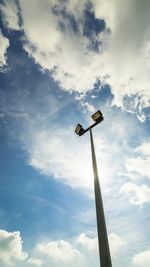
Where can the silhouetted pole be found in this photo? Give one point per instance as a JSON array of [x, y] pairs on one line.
[[104, 252]]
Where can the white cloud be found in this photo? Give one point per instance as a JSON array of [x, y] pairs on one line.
[[59, 251], [66, 157], [65, 253], [69, 68], [116, 243], [139, 194], [89, 242], [11, 247], [89, 107], [144, 148], [124, 60], [142, 259], [61, 156], [127, 52], [139, 166], [10, 14], [35, 262], [4, 44], [82, 250]]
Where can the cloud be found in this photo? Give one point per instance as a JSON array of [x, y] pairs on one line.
[[59, 251], [12, 253], [139, 194], [60, 156], [144, 148], [35, 262], [139, 166], [81, 250], [10, 14], [65, 157], [90, 243], [67, 253], [89, 107], [142, 259], [11, 247], [4, 44], [127, 47], [117, 54], [116, 244]]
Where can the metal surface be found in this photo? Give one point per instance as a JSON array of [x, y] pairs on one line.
[[97, 115], [104, 252], [93, 125]]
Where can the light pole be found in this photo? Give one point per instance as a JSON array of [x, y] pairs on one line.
[[104, 252]]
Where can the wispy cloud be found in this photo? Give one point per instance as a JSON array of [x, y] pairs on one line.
[[139, 194], [10, 14], [35, 262], [142, 259], [139, 165], [4, 44], [116, 243]]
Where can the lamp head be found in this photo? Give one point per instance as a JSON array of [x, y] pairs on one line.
[[97, 116], [79, 129]]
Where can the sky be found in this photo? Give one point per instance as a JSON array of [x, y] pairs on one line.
[[61, 61]]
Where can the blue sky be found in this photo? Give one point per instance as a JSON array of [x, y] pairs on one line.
[[59, 63]]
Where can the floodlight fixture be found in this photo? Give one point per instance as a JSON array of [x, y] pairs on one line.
[[79, 129], [97, 116]]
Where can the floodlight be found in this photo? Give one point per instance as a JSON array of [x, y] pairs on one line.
[[97, 116], [79, 129]]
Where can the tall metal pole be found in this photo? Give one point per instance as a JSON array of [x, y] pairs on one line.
[[104, 252]]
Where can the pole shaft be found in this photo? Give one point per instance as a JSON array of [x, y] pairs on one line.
[[104, 252]]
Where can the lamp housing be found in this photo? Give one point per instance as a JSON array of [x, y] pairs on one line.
[[79, 129], [97, 116]]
